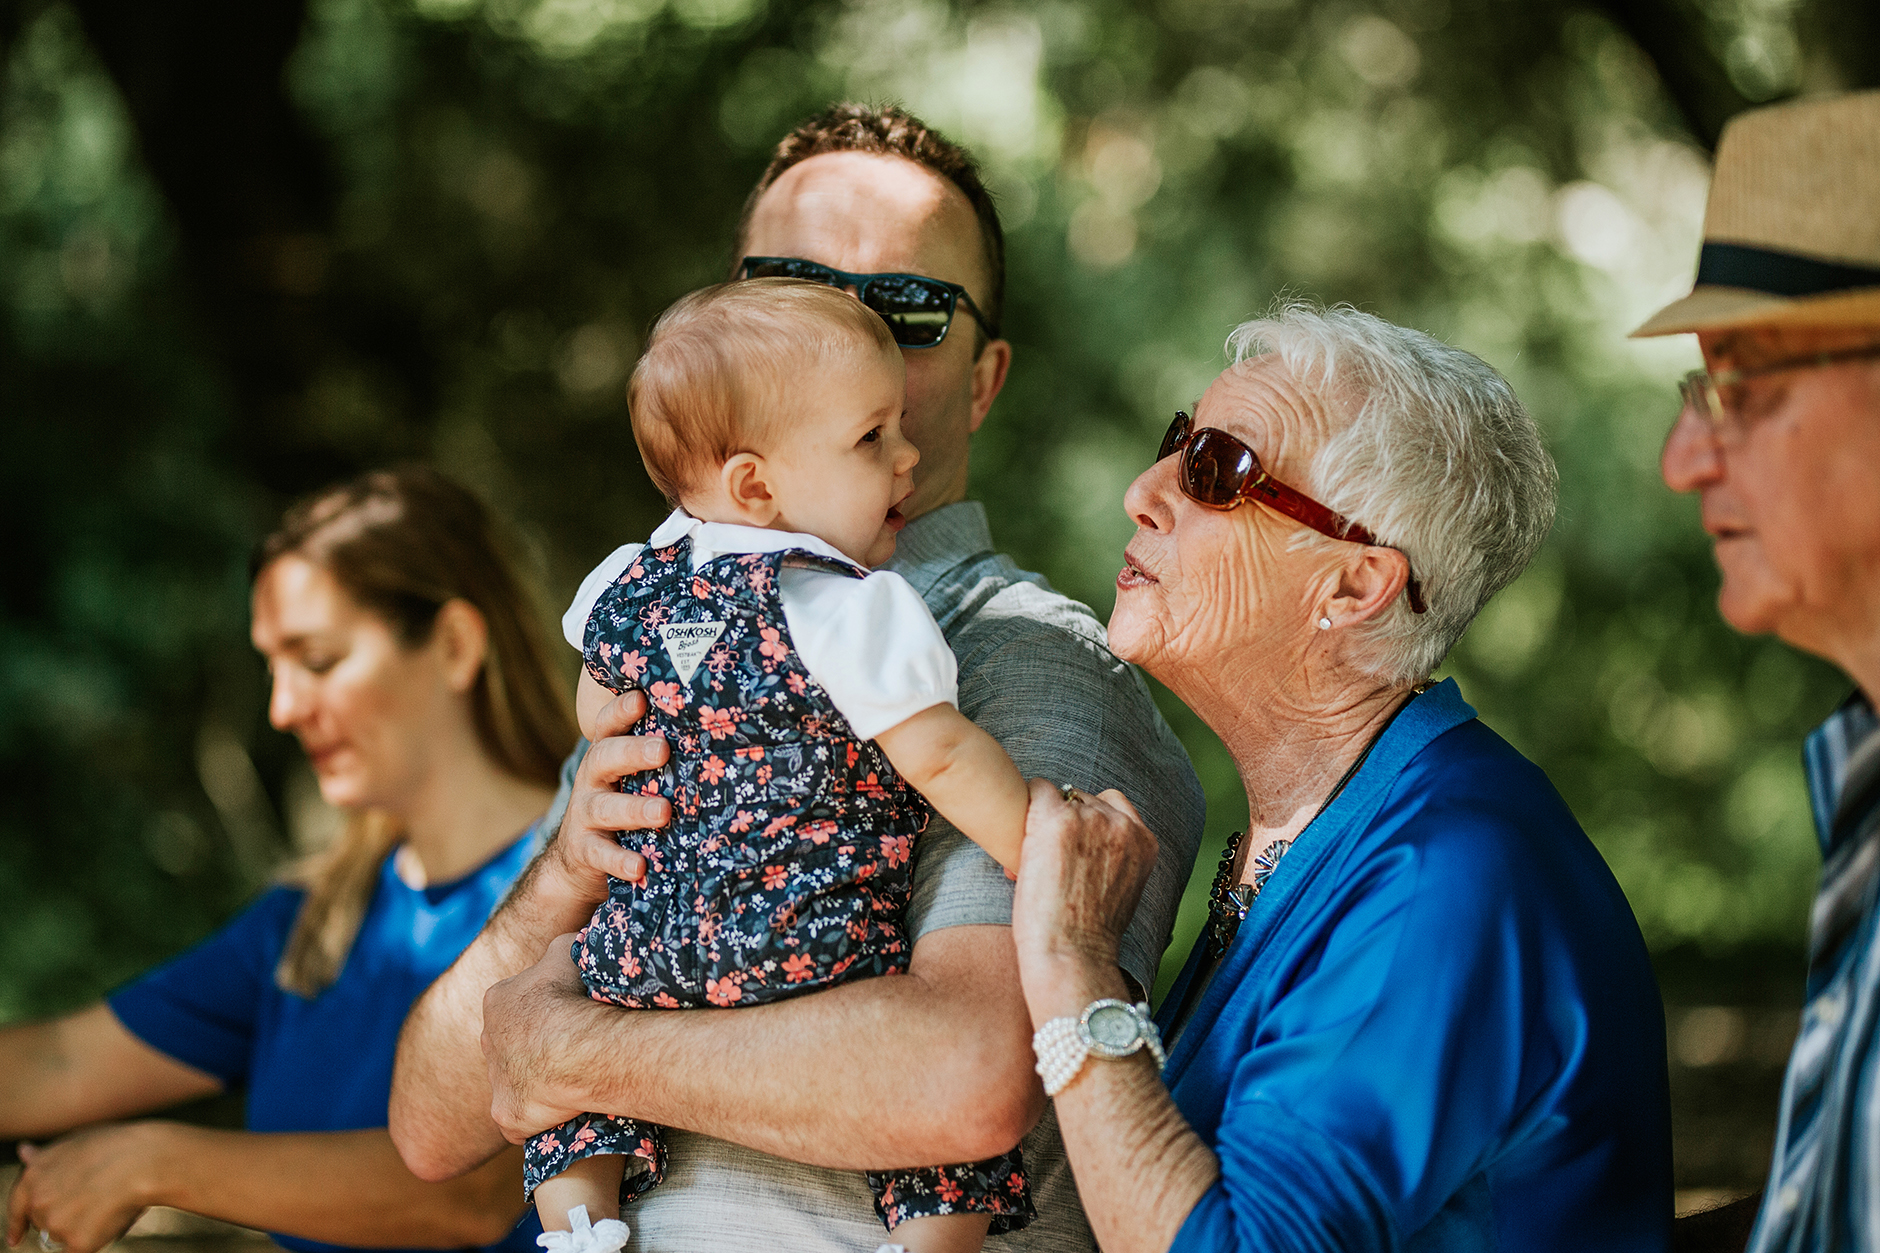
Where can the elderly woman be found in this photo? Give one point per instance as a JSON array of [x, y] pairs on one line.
[[1421, 1016]]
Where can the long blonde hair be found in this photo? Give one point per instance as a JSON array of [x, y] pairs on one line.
[[402, 543]]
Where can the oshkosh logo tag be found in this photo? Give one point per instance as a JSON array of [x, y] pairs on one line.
[[687, 644]]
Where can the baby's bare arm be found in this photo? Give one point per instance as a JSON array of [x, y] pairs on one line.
[[966, 775]]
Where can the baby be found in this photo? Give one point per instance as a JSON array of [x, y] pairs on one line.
[[810, 706]]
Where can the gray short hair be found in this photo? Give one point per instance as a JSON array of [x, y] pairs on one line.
[[1435, 455]]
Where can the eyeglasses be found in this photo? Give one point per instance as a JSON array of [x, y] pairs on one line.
[[916, 308], [1220, 471], [1717, 399]]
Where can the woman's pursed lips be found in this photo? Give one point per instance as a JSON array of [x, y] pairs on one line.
[[1132, 574]]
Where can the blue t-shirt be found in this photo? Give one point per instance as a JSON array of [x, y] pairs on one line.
[[323, 1064], [1438, 1027]]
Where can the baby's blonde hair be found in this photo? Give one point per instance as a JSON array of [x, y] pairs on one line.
[[716, 371]]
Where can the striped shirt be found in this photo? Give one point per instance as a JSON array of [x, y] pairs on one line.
[[1824, 1185]]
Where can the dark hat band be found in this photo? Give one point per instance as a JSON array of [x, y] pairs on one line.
[[1778, 273]]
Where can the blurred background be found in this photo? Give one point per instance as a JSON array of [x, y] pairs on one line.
[[247, 248]]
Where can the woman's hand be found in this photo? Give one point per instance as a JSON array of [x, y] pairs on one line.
[[86, 1189], [584, 853], [1080, 875], [521, 1049]]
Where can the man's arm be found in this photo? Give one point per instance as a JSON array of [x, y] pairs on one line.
[[440, 1106], [953, 1033]]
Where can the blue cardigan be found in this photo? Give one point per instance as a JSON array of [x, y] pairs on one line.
[[1437, 1028]]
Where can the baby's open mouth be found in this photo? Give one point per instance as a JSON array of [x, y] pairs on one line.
[[895, 518]]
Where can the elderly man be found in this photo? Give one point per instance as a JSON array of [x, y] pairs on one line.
[[1780, 436], [852, 197]]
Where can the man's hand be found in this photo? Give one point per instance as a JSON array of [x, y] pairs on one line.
[[520, 1040], [86, 1189], [585, 852], [440, 1110]]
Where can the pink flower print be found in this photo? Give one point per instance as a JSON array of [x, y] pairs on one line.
[[713, 770], [720, 660], [587, 1135], [630, 966], [653, 616], [632, 665], [897, 849], [783, 823], [773, 646], [650, 1151], [753, 753], [855, 755], [548, 1142], [634, 571], [871, 786], [665, 1000], [819, 832], [668, 697], [950, 1191], [743, 821], [760, 578], [763, 775], [798, 967], [799, 685], [775, 877], [606, 650], [719, 722], [700, 588], [724, 991], [866, 871]]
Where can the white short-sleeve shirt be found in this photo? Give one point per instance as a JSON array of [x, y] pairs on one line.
[[870, 642]]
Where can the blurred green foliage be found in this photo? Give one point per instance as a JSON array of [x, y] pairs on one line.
[[523, 184]]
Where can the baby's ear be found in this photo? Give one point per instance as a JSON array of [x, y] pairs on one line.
[[746, 482]]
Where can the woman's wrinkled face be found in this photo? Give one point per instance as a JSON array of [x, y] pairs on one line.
[[363, 705], [1202, 589]]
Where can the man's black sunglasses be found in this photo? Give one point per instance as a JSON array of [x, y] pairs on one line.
[[916, 308]]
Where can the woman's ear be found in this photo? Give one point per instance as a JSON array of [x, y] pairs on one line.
[[1368, 585], [462, 639], [746, 483]]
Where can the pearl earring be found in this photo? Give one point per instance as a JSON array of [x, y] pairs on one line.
[[1325, 624]]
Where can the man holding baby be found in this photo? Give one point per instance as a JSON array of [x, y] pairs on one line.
[[776, 1110]]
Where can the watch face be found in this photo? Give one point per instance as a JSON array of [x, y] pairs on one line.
[[1113, 1029]]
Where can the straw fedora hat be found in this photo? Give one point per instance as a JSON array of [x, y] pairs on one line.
[[1792, 230]]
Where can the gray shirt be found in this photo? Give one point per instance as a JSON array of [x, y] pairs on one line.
[[1036, 673]]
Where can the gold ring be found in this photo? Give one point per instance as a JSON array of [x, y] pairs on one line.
[[1070, 794]]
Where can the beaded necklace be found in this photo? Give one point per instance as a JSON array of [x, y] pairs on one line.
[[1228, 902]]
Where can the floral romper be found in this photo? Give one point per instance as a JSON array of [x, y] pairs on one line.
[[787, 864]]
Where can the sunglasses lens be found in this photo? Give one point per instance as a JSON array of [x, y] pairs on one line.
[[1216, 467], [790, 267], [1176, 436], [917, 310]]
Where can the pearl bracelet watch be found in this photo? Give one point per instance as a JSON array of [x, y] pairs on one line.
[[1109, 1028]]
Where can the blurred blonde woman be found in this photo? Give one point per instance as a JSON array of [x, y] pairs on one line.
[[409, 662]]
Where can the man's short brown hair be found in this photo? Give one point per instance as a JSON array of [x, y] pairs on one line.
[[715, 374], [887, 130]]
